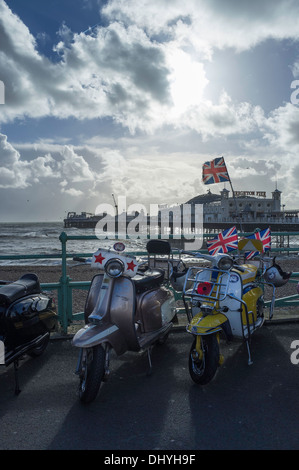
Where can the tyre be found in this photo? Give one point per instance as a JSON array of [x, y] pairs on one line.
[[91, 373], [38, 350], [202, 369]]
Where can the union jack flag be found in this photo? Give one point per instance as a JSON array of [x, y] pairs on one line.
[[224, 242], [214, 171], [265, 237]]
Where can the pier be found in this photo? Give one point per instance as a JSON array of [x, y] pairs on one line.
[[247, 210], [281, 223]]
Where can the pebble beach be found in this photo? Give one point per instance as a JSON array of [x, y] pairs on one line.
[[81, 272], [50, 274]]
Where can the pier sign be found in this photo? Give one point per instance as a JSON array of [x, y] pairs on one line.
[[250, 193]]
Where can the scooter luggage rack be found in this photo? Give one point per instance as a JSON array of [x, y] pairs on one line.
[[219, 286]]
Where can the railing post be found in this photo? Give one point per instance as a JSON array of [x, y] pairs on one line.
[[64, 280]]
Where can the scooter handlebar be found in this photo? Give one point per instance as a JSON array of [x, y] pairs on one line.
[[239, 268], [197, 254]]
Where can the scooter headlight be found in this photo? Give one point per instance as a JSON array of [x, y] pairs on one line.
[[225, 263], [114, 267]]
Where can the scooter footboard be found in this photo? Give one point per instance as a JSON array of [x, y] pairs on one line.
[[92, 335]]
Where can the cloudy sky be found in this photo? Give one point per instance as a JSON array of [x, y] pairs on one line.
[[131, 97]]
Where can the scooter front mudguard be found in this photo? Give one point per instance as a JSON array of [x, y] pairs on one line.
[[209, 324], [92, 335]]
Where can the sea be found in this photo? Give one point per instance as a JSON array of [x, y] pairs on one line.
[[43, 239]]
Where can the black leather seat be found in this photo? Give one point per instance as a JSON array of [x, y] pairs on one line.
[[148, 280], [158, 247], [27, 284]]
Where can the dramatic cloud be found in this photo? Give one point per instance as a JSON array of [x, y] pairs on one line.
[[66, 165], [115, 71], [204, 25], [121, 72], [140, 85], [13, 172]]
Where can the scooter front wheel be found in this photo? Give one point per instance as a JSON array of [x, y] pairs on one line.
[[203, 366], [91, 373]]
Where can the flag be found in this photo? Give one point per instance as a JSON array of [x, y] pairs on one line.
[[224, 242], [215, 171], [265, 237]]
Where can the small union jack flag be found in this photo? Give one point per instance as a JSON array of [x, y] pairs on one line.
[[224, 242], [265, 237], [214, 171]]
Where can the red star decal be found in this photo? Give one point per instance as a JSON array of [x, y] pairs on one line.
[[131, 266], [99, 258]]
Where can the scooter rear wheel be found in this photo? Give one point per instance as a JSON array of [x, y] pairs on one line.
[[91, 373], [202, 370]]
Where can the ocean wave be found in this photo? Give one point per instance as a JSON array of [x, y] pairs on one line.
[[33, 234], [31, 262]]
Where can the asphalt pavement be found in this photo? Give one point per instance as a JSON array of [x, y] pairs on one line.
[[244, 407]]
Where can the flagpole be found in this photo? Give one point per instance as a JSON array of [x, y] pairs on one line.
[[238, 214]]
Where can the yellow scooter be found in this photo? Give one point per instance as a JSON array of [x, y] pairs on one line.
[[225, 298]]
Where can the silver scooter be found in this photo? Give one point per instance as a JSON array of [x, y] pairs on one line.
[[126, 310]]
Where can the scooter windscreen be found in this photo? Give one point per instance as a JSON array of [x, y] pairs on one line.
[[102, 257]]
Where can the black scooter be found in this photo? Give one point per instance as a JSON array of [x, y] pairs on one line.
[[27, 316]]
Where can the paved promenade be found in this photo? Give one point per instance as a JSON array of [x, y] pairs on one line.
[[244, 407]]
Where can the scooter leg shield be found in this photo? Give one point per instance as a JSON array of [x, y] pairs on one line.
[[92, 335]]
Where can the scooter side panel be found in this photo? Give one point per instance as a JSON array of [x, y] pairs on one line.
[[251, 298], [154, 309]]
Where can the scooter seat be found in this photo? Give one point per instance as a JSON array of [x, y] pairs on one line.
[[27, 284], [148, 280]]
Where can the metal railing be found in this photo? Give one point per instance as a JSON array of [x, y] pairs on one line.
[[65, 286]]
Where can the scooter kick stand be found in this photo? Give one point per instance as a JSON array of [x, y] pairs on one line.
[[250, 362], [149, 350], [16, 367]]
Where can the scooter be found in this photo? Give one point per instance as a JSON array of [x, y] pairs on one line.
[[226, 298], [27, 316], [126, 310]]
